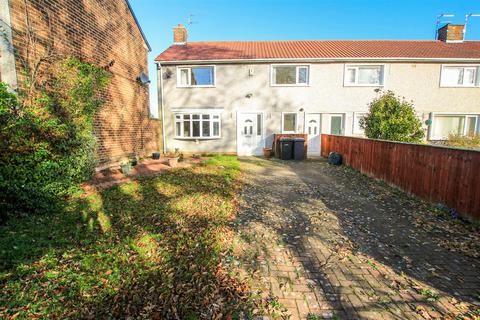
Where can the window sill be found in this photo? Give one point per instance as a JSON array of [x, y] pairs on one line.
[[193, 139], [464, 87], [365, 85], [289, 85], [186, 87]]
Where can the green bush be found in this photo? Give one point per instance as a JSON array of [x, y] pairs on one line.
[[48, 147], [461, 141], [392, 118]]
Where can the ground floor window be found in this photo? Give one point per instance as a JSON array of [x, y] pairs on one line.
[[336, 124], [446, 124], [289, 122], [357, 129], [197, 125]]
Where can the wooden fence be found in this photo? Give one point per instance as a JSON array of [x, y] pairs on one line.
[[435, 173]]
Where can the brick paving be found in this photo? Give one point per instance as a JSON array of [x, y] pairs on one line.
[[326, 242]]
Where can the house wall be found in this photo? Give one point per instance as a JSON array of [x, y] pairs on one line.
[[103, 32], [326, 94]]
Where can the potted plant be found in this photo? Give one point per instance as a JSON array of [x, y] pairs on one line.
[[126, 167], [267, 152], [156, 155]]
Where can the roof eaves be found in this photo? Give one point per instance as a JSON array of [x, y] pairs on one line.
[[138, 25], [339, 59]]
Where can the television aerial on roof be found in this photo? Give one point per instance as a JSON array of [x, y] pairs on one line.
[[190, 20], [467, 17], [440, 19]]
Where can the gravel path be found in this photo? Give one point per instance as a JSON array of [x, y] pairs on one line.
[[331, 243]]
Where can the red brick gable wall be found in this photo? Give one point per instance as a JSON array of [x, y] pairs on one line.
[[103, 32]]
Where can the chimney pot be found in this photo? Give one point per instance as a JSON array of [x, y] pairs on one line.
[[451, 33], [180, 34]]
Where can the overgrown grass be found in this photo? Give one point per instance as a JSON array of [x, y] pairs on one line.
[[150, 248], [462, 141]]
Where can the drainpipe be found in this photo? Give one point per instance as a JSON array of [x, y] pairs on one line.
[[160, 102]]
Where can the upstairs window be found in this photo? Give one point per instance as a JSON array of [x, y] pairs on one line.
[[203, 76], [290, 75], [459, 76], [364, 75], [197, 126]]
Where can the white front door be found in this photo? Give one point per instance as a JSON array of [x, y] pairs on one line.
[[312, 129], [250, 140]]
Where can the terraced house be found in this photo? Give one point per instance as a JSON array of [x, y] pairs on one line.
[[234, 96]]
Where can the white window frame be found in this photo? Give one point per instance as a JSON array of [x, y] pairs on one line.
[[431, 128], [356, 119], [343, 117], [180, 68], [296, 122], [476, 82], [191, 137], [356, 66], [297, 84]]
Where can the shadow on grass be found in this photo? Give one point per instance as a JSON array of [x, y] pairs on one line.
[[152, 248]]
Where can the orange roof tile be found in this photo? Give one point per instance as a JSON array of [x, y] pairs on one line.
[[320, 49]]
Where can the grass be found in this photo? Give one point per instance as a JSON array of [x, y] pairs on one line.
[[151, 248]]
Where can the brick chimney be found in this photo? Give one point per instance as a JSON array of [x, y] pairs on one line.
[[179, 34], [451, 33]]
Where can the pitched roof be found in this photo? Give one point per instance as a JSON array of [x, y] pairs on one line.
[[320, 49], [138, 25]]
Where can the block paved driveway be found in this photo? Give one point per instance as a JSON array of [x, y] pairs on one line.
[[328, 242]]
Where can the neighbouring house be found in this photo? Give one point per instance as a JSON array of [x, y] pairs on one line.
[[233, 96], [106, 33]]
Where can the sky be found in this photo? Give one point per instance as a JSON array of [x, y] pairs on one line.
[[295, 20]]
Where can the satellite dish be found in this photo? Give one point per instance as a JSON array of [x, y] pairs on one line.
[[143, 78]]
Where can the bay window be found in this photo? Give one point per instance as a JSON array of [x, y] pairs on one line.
[[197, 125], [289, 75], [445, 124], [201, 76], [364, 75], [459, 76]]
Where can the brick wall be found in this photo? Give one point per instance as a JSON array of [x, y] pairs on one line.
[[103, 32]]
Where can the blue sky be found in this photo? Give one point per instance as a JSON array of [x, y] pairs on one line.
[[295, 19]]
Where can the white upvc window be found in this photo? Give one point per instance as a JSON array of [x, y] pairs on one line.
[[289, 122], [459, 76], [445, 124], [357, 129], [197, 125], [337, 123], [364, 75], [289, 75], [196, 76]]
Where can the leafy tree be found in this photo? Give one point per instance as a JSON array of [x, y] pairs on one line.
[[392, 118]]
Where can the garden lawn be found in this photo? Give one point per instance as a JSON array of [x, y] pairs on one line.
[[152, 248]]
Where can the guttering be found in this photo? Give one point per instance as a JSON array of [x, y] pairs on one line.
[[313, 60], [160, 102]]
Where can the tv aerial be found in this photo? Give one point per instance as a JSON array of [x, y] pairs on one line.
[[440, 19], [467, 17]]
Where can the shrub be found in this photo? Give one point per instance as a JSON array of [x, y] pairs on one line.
[[48, 146], [392, 118], [461, 141]]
